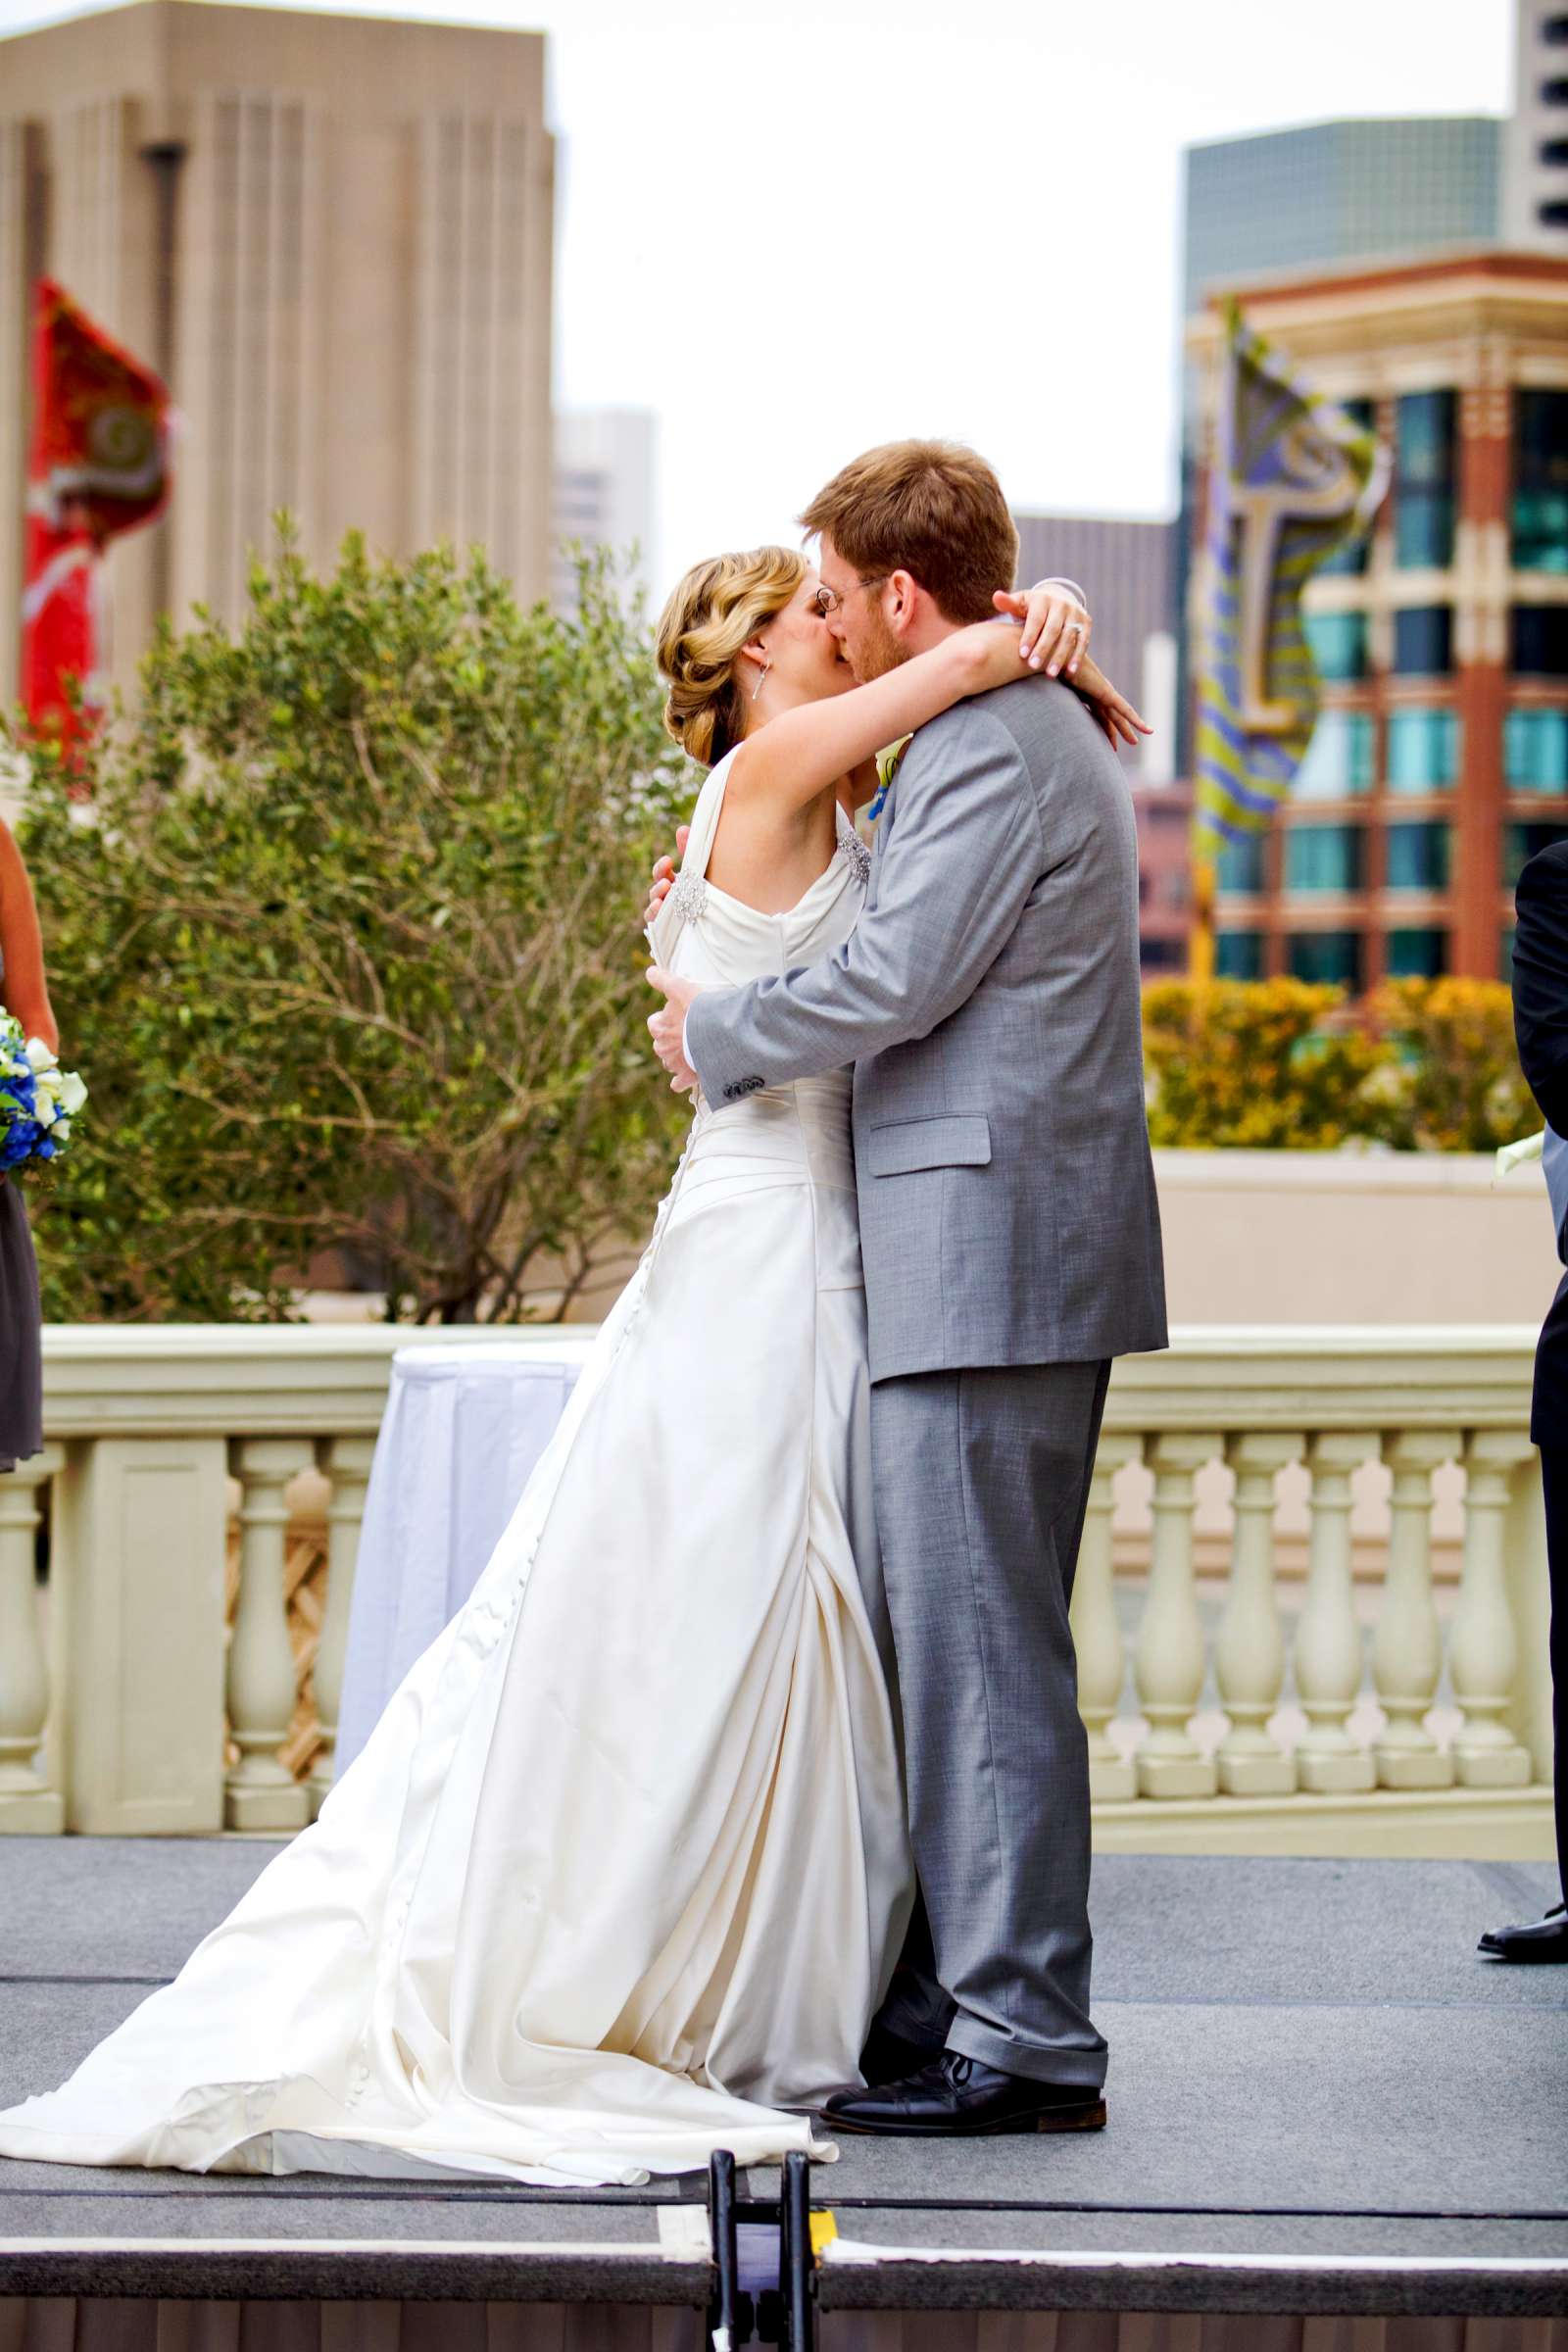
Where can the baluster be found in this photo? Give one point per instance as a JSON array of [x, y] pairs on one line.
[[1328, 1641], [1250, 1653], [1407, 1647], [347, 1463], [261, 1793], [1528, 1572], [1483, 1650], [1170, 1639], [28, 1803], [1096, 1636]]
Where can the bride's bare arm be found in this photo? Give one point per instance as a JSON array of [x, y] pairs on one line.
[[802, 752]]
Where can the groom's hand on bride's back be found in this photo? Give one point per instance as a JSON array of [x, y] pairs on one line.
[[664, 875]]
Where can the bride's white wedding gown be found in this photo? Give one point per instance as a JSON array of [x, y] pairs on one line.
[[623, 1871]]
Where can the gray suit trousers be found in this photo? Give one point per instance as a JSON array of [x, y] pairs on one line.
[[982, 1479]]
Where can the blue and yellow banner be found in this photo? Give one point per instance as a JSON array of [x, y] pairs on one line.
[[1293, 478]]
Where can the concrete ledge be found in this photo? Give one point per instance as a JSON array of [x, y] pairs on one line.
[[1448, 1825], [238, 1379], [347, 2270], [233, 1380], [854, 2277], [1403, 1174], [1395, 1237]]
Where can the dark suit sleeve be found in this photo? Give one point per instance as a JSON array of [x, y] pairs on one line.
[[1541, 982]]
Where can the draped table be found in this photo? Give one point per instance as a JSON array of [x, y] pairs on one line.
[[463, 1430]]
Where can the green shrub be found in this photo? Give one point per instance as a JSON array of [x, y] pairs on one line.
[[1460, 1087], [1263, 1064], [346, 942], [1278, 1065]]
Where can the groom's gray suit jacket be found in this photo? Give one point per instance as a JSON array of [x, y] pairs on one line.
[[989, 1000]]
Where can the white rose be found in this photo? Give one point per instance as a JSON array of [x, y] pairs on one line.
[[72, 1091], [62, 1129], [40, 1056]]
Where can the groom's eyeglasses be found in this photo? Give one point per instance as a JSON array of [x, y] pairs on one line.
[[828, 600]]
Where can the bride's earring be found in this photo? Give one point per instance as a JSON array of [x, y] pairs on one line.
[[762, 680]]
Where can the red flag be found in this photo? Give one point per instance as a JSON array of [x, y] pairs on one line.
[[99, 464]]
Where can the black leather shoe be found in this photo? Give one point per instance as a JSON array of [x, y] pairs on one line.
[[956, 2096], [888, 2057], [1545, 1940]]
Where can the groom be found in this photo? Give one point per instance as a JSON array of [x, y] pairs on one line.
[[989, 1000]]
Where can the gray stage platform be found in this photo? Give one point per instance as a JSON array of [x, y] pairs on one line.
[[1321, 2099]]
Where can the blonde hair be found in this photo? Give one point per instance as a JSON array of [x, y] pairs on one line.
[[716, 609]]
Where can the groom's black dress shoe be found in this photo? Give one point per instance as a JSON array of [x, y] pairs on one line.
[[956, 2096], [1545, 1940]]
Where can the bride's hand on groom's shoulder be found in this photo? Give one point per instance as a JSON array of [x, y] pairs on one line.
[[664, 877], [1055, 638], [1056, 627]]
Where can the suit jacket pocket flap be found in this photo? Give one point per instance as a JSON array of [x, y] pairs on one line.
[[905, 1144]]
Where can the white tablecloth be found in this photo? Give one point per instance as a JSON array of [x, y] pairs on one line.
[[463, 1430]]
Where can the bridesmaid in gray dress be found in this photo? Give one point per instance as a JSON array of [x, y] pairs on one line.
[[24, 991]]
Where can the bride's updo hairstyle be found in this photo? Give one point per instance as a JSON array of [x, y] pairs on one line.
[[717, 608]]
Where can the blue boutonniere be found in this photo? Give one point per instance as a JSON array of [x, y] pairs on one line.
[[886, 768]]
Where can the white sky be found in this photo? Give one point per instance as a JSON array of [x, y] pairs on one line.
[[796, 228]]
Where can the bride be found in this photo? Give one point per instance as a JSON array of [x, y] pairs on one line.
[[621, 1874]]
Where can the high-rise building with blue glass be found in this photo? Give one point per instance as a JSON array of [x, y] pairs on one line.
[[1337, 192]]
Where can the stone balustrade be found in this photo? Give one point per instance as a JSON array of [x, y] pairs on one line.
[[1269, 1660], [1349, 1714]]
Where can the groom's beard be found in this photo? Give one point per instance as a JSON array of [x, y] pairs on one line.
[[878, 652]]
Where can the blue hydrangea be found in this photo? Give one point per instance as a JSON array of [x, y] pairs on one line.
[[21, 1141]]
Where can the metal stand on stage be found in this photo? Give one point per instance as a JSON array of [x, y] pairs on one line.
[[784, 2314]]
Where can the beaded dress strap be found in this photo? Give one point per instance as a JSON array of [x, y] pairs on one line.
[[684, 903]]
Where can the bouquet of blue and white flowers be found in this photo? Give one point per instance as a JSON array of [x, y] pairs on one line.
[[39, 1099]]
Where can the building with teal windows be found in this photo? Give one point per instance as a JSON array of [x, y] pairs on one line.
[[1440, 761]]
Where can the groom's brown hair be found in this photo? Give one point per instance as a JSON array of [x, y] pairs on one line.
[[930, 508]]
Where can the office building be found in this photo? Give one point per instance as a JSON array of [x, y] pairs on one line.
[[1440, 761], [1312, 197], [1164, 817], [332, 236], [1534, 200], [1126, 568], [603, 495], [1330, 192]]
